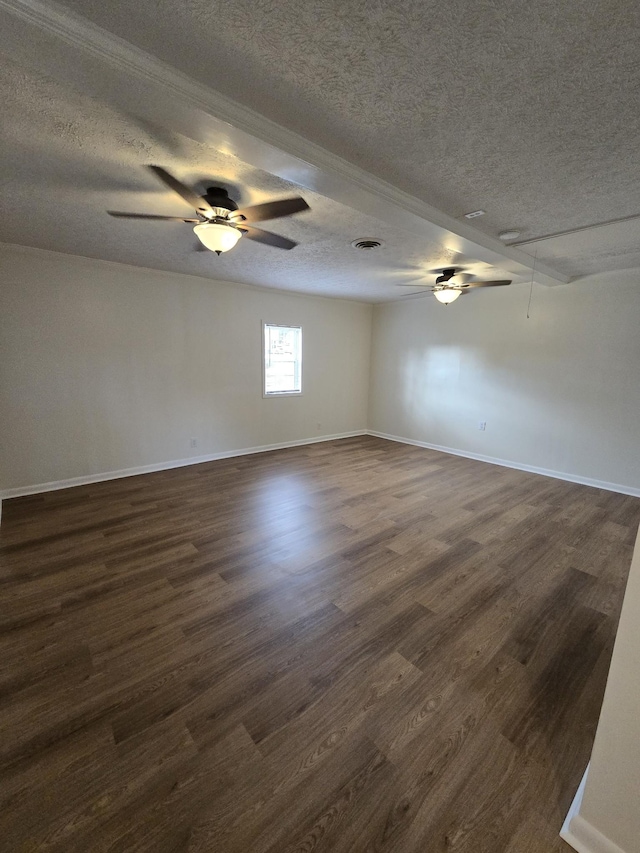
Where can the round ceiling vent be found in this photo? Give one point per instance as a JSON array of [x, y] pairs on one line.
[[367, 244]]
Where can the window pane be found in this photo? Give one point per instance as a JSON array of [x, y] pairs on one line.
[[282, 359]]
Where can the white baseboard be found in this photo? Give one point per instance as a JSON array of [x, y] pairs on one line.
[[37, 488], [580, 834], [519, 466], [574, 808], [585, 838]]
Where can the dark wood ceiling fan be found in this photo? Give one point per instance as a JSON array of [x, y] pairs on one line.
[[219, 223], [447, 290]]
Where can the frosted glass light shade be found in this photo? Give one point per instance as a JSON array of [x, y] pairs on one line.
[[217, 237], [446, 295]]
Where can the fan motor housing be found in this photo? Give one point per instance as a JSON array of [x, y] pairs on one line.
[[446, 275], [218, 197]]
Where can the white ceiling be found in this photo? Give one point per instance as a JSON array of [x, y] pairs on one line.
[[68, 158], [528, 111]]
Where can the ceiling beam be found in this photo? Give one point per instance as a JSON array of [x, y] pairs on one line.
[[624, 219], [109, 68]]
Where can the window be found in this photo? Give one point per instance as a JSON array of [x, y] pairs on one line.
[[282, 360]]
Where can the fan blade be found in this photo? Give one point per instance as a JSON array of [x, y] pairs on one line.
[[501, 283], [428, 290], [272, 209], [123, 215], [183, 191], [266, 237]]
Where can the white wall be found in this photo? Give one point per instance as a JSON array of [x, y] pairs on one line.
[[560, 391], [107, 367], [608, 816]]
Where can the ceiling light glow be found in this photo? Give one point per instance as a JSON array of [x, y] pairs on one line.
[[447, 295], [216, 236]]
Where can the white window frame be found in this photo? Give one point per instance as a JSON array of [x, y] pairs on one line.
[[272, 394]]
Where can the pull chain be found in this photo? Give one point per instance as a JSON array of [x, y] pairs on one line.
[[533, 272]]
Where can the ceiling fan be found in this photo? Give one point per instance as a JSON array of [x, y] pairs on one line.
[[452, 283], [219, 222]]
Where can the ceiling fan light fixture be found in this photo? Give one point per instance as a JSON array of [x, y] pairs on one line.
[[216, 236], [447, 295]]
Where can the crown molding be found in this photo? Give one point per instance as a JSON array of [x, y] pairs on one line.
[[109, 67]]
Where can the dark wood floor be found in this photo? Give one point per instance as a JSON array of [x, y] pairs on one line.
[[353, 646]]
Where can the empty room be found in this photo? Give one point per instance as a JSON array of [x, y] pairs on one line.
[[319, 426]]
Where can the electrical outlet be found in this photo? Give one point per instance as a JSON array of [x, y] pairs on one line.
[[193, 442], [482, 425]]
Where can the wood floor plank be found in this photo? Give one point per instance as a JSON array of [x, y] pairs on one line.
[[356, 646]]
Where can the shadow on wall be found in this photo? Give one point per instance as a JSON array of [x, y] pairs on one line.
[[558, 391], [552, 417], [446, 390]]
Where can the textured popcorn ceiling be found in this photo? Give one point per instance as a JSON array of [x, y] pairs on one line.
[[528, 110], [67, 158]]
